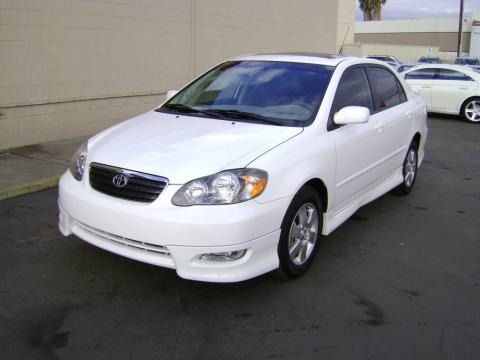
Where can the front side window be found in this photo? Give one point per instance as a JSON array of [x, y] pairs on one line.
[[447, 74], [386, 89], [273, 92], [353, 90]]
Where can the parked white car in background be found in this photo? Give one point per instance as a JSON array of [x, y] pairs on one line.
[[390, 60], [242, 171], [447, 89]]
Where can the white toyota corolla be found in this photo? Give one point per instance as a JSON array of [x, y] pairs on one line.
[[448, 89], [243, 170]]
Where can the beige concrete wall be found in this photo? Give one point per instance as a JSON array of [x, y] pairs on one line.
[[445, 25], [73, 67], [406, 53], [444, 41], [346, 24]]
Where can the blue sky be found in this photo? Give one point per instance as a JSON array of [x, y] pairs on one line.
[[404, 9]]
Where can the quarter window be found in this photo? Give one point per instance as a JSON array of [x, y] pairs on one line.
[[386, 89]]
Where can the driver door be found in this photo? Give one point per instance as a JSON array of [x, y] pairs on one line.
[[421, 81], [357, 145]]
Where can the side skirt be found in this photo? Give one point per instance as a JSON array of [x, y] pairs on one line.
[[332, 220]]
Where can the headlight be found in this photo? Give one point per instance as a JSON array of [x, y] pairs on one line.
[[77, 164], [226, 187]]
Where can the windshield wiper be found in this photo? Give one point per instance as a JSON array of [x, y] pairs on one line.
[[190, 110], [237, 114], [180, 108], [222, 113]]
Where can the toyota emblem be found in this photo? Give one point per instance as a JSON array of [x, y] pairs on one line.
[[120, 180]]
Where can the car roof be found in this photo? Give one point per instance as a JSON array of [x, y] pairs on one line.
[[461, 68], [441, 66], [312, 58]]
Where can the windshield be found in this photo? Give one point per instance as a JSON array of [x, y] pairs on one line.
[[467, 61], [430, 60], [278, 93]]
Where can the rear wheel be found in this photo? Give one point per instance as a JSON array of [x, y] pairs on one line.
[[471, 110], [301, 231]]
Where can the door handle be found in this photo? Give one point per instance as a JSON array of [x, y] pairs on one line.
[[462, 88], [378, 126], [409, 114], [425, 87]]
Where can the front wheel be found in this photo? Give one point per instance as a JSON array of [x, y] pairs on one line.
[[409, 169], [301, 231], [471, 110]]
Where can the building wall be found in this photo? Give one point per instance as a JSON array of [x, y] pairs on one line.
[[443, 40], [439, 32], [449, 24], [406, 53], [346, 24], [73, 67]]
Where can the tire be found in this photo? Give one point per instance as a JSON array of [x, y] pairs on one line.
[[300, 233], [409, 169], [470, 111]]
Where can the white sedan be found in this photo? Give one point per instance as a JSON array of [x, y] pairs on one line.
[[448, 89], [243, 170]]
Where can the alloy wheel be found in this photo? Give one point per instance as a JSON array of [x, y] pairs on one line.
[[410, 167], [303, 234], [472, 111]]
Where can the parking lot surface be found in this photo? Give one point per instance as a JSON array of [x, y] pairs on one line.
[[399, 280]]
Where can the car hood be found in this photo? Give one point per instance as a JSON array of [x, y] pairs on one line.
[[182, 148]]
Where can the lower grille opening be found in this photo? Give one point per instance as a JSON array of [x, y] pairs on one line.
[[106, 236]]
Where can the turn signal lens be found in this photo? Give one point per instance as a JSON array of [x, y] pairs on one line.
[[253, 185]]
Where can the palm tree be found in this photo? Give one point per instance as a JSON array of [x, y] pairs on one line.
[[377, 9], [366, 7], [372, 9]]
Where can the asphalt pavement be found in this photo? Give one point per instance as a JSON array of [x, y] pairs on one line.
[[399, 280]]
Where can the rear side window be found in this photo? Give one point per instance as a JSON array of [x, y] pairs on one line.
[[386, 89], [421, 74], [447, 74]]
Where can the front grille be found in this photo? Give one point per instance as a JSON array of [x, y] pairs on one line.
[[138, 187]]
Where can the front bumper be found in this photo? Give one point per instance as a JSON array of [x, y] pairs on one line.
[[162, 234]]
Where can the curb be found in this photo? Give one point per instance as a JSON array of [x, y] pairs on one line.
[[27, 188]]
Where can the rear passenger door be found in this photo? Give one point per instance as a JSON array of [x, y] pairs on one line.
[[450, 88], [392, 119], [421, 81]]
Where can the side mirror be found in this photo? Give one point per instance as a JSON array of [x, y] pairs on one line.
[[170, 94], [352, 115]]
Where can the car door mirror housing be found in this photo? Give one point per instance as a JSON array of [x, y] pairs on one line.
[[170, 94], [352, 115]]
